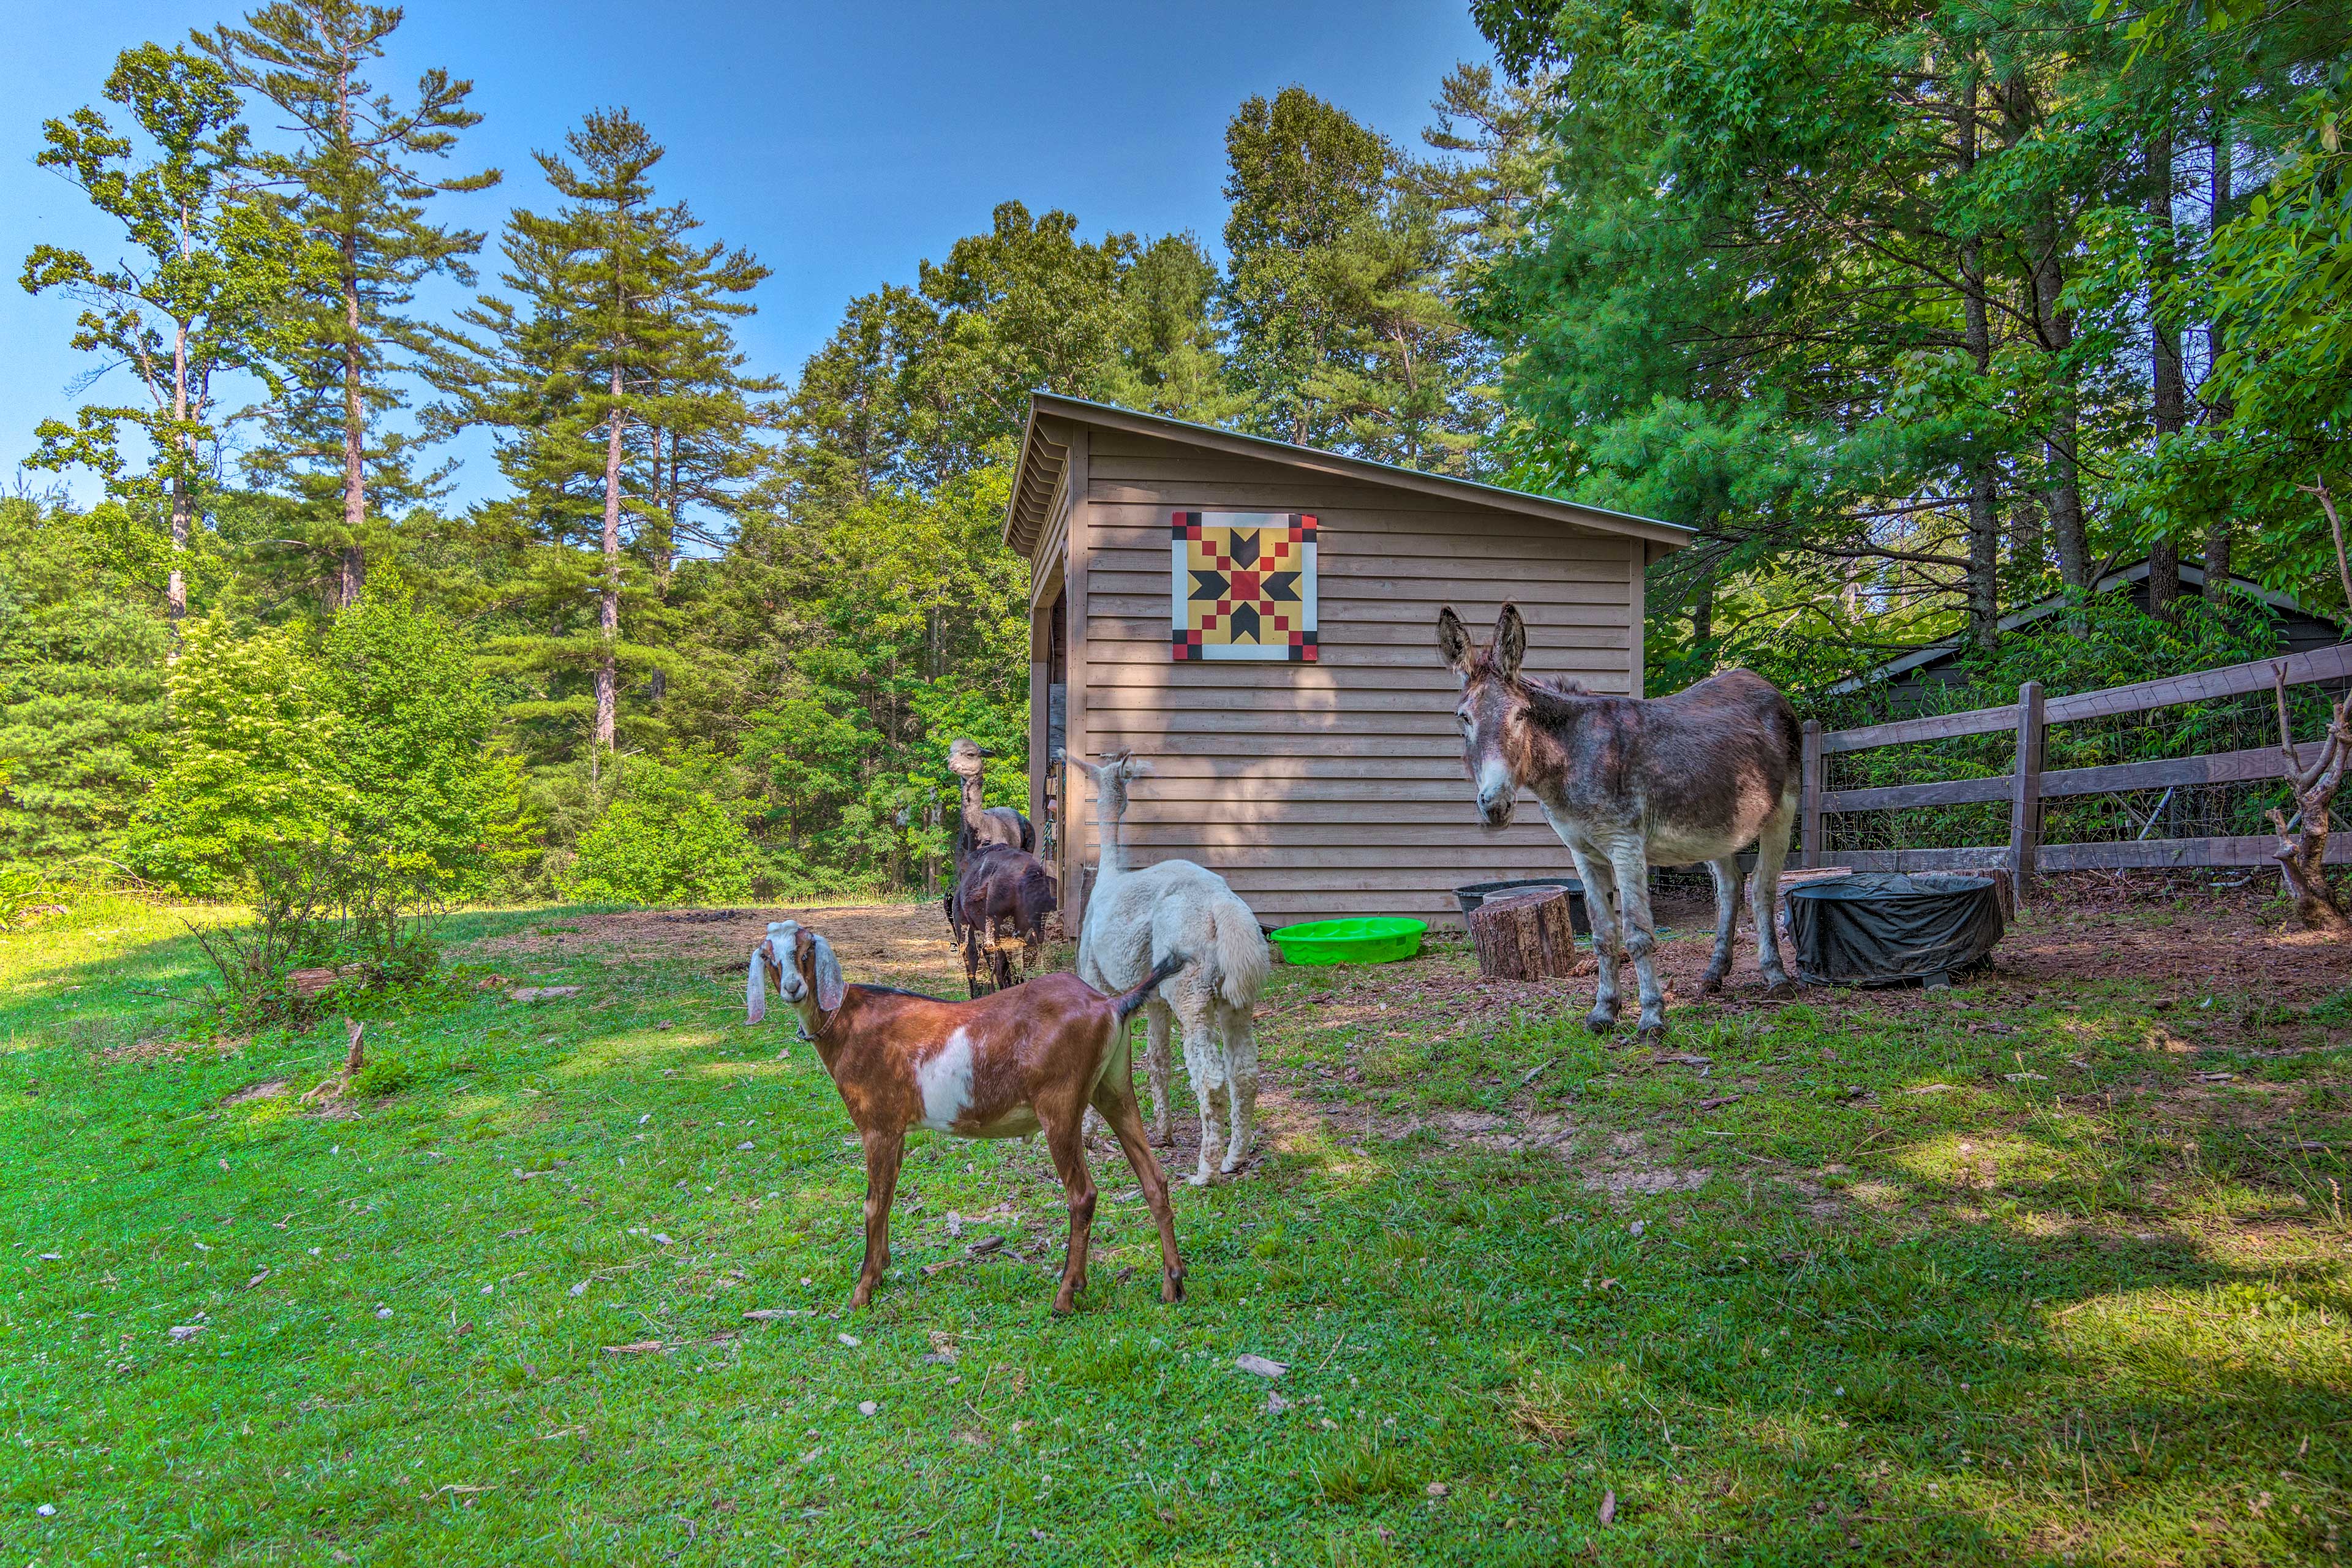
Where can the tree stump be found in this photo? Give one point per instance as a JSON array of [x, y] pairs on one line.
[[1524, 936]]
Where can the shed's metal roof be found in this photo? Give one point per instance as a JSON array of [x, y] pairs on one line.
[[1043, 460]]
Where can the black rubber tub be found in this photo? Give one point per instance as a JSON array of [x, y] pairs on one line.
[[1477, 893], [1883, 929]]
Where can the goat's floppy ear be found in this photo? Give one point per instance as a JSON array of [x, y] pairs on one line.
[[1454, 640], [1510, 645], [828, 974], [755, 984]]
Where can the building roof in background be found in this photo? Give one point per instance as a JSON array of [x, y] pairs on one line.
[[2191, 576], [1039, 474]]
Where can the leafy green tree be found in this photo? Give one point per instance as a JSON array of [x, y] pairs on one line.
[[251, 762], [1342, 330], [81, 689], [427, 789], [189, 300], [1170, 354], [358, 183], [663, 841]]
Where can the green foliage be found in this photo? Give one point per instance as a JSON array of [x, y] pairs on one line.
[[380, 738], [357, 182], [661, 840], [323, 905], [81, 689], [250, 762], [208, 261]]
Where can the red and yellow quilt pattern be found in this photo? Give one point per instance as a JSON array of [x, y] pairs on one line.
[[1244, 585]]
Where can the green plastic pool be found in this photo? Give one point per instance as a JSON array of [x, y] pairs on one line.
[[1382, 939]]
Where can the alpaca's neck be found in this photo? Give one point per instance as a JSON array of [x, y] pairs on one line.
[[975, 804], [1114, 855]]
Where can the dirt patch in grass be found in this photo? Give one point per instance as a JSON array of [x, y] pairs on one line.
[[2230, 946], [168, 1051], [904, 944], [267, 1088]]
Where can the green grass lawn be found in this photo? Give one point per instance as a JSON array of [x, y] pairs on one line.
[[1997, 1275]]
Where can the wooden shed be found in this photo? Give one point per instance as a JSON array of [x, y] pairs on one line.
[[1259, 620]]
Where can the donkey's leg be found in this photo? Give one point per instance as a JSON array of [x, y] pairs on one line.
[[1631, 864], [1764, 897], [1600, 907], [1159, 1068], [1726, 872]]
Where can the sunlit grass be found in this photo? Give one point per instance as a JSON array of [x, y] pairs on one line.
[[2098, 1309]]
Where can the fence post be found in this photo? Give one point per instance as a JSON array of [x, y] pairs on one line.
[[2025, 805], [1808, 796]]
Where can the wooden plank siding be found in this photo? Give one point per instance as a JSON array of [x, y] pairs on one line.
[[1332, 788]]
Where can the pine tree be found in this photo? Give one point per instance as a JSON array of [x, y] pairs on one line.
[[359, 183], [614, 347], [1343, 331], [81, 689], [188, 303]]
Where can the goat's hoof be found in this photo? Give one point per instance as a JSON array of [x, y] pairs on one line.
[[1600, 1022], [1709, 984], [1780, 990], [1172, 1287], [860, 1297], [1651, 1032], [1200, 1178], [1063, 1305]]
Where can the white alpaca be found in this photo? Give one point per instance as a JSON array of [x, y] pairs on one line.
[[1135, 919]]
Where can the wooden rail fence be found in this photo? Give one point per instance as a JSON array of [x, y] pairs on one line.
[[2026, 785]]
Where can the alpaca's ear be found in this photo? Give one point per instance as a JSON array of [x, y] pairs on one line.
[[1454, 640], [755, 985], [826, 972], [1138, 767], [1086, 768], [1510, 645]]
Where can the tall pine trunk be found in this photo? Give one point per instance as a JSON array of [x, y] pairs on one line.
[[1984, 523], [2165, 378], [2218, 539], [175, 591], [608, 601], [2054, 325], [351, 574]]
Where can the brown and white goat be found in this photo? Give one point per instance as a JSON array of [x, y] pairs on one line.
[[1021, 1061]]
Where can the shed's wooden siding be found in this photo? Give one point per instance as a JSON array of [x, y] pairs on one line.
[[1332, 788]]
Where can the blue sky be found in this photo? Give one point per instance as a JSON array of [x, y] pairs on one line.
[[840, 144]]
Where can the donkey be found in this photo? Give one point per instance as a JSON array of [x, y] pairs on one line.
[[1626, 782]]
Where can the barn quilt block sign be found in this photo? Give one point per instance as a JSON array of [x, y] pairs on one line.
[[1244, 585]]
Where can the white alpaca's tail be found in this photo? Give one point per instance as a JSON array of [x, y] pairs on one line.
[[1244, 956]]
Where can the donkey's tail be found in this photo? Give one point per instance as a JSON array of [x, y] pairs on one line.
[[1244, 956], [1126, 1004]]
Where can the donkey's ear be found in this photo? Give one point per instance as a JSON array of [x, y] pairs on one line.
[[827, 972], [1510, 645], [1454, 640]]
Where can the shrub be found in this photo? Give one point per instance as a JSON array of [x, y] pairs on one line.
[[379, 740], [661, 840], [317, 907]]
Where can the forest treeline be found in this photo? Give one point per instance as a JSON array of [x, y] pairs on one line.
[[1918, 315]]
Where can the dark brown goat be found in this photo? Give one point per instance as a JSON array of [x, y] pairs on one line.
[[1003, 1067], [1002, 892]]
